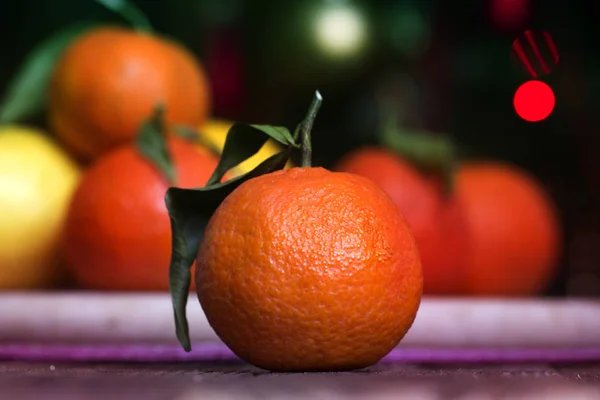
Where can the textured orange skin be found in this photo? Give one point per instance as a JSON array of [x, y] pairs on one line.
[[118, 232], [437, 221], [109, 81], [516, 236], [309, 270]]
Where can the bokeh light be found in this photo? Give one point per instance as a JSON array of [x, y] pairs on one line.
[[534, 101], [340, 29]]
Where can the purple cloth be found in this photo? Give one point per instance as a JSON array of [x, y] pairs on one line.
[[219, 352]]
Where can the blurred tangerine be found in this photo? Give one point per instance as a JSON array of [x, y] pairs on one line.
[[110, 79], [118, 232], [515, 231]]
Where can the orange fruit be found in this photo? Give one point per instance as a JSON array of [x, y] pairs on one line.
[[118, 232], [309, 270], [515, 232], [437, 220], [110, 79]]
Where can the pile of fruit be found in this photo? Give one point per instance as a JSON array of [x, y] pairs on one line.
[[133, 185], [83, 203], [82, 206]]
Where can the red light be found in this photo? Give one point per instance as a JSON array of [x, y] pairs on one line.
[[534, 101]]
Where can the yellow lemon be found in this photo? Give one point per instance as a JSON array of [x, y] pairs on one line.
[[214, 131], [37, 180]]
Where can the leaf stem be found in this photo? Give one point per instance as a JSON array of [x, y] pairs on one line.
[[305, 127], [152, 143]]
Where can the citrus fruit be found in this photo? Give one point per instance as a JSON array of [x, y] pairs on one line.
[[309, 270], [437, 220], [110, 79], [118, 234], [515, 232], [214, 131], [37, 181]]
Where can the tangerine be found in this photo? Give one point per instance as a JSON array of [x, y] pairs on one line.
[[305, 269], [437, 221], [118, 233], [110, 79], [515, 232]]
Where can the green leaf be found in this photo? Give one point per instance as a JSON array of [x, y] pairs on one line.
[[152, 144], [243, 141], [26, 92], [279, 133], [189, 211], [129, 12]]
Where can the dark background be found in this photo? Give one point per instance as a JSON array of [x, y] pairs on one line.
[[449, 62]]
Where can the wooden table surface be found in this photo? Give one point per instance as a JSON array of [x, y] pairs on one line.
[[187, 381]]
